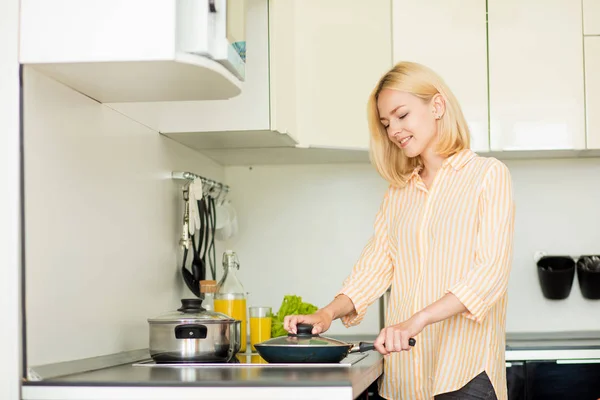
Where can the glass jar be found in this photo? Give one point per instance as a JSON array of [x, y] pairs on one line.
[[208, 289], [230, 298]]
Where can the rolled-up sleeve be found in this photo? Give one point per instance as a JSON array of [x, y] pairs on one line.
[[487, 281], [372, 273]]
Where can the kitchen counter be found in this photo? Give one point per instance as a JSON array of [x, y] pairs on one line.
[[119, 379], [130, 380], [552, 346]]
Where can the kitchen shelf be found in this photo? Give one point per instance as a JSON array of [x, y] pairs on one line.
[[186, 77]]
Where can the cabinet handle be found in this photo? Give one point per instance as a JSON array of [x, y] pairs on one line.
[[514, 363], [580, 361]]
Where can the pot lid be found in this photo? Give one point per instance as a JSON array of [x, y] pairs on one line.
[[191, 310], [304, 338]]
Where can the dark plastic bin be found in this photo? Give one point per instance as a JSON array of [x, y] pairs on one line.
[[588, 275], [556, 275]]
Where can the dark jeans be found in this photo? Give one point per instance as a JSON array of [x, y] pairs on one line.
[[479, 388]]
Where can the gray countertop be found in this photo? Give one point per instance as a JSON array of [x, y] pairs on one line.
[[552, 340], [357, 377], [225, 375]]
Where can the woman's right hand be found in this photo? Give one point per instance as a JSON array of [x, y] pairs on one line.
[[320, 320]]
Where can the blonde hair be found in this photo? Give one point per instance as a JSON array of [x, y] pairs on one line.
[[419, 80]]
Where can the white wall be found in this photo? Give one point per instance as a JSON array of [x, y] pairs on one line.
[[103, 219], [302, 228], [10, 290]]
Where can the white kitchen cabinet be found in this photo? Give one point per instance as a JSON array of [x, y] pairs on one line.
[[342, 47], [592, 84], [536, 72], [249, 120], [118, 51], [310, 68], [591, 17], [449, 36]]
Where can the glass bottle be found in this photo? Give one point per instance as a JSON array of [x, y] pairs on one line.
[[230, 298], [208, 289]]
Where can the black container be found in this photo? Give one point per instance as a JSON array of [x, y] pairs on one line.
[[588, 275], [556, 274]]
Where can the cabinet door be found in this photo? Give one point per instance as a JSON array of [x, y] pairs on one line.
[[536, 75], [565, 379], [591, 17], [515, 380], [282, 66], [342, 47], [449, 36], [592, 85], [246, 112]]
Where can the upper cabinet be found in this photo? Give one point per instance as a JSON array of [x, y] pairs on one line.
[[592, 84], [250, 120], [341, 48], [310, 68], [591, 17], [135, 50], [536, 79], [449, 36], [298, 90]]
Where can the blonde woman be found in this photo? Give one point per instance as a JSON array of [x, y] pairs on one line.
[[443, 241]]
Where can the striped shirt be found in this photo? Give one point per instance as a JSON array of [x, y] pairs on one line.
[[455, 237]]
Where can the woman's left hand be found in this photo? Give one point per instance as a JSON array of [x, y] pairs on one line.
[[395, 338]]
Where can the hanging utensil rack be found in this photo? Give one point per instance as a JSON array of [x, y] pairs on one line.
[[216, 193], [214, 189]]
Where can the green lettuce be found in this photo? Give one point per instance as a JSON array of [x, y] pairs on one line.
[[291, 305]]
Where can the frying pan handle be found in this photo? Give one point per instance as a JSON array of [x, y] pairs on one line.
[[365, 346], [362, 347]]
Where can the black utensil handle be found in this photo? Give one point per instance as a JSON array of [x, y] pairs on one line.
[[213, 212], [362, 347], [366, 346]]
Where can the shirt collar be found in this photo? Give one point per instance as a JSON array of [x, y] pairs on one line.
[[459, 159], [456, 160], [415, 172]]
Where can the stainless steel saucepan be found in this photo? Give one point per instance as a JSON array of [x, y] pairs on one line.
[[193, 334]]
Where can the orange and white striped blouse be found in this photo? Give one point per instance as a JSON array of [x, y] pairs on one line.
[[456, 237]]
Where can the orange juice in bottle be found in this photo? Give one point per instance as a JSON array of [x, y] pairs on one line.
[[230, 298]]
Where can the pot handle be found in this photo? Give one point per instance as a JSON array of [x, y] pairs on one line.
[[191, 331]]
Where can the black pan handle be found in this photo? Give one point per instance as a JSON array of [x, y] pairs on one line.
[[362, 347], [366, 346]]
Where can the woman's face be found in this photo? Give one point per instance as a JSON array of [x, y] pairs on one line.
[[410, 122]]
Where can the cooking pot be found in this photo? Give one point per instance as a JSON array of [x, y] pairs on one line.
[[193, 334], [306, 347]]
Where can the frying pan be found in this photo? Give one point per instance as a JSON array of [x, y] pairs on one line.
[[306, 347]]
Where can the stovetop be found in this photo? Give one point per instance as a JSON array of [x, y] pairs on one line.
[[252, 360]]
